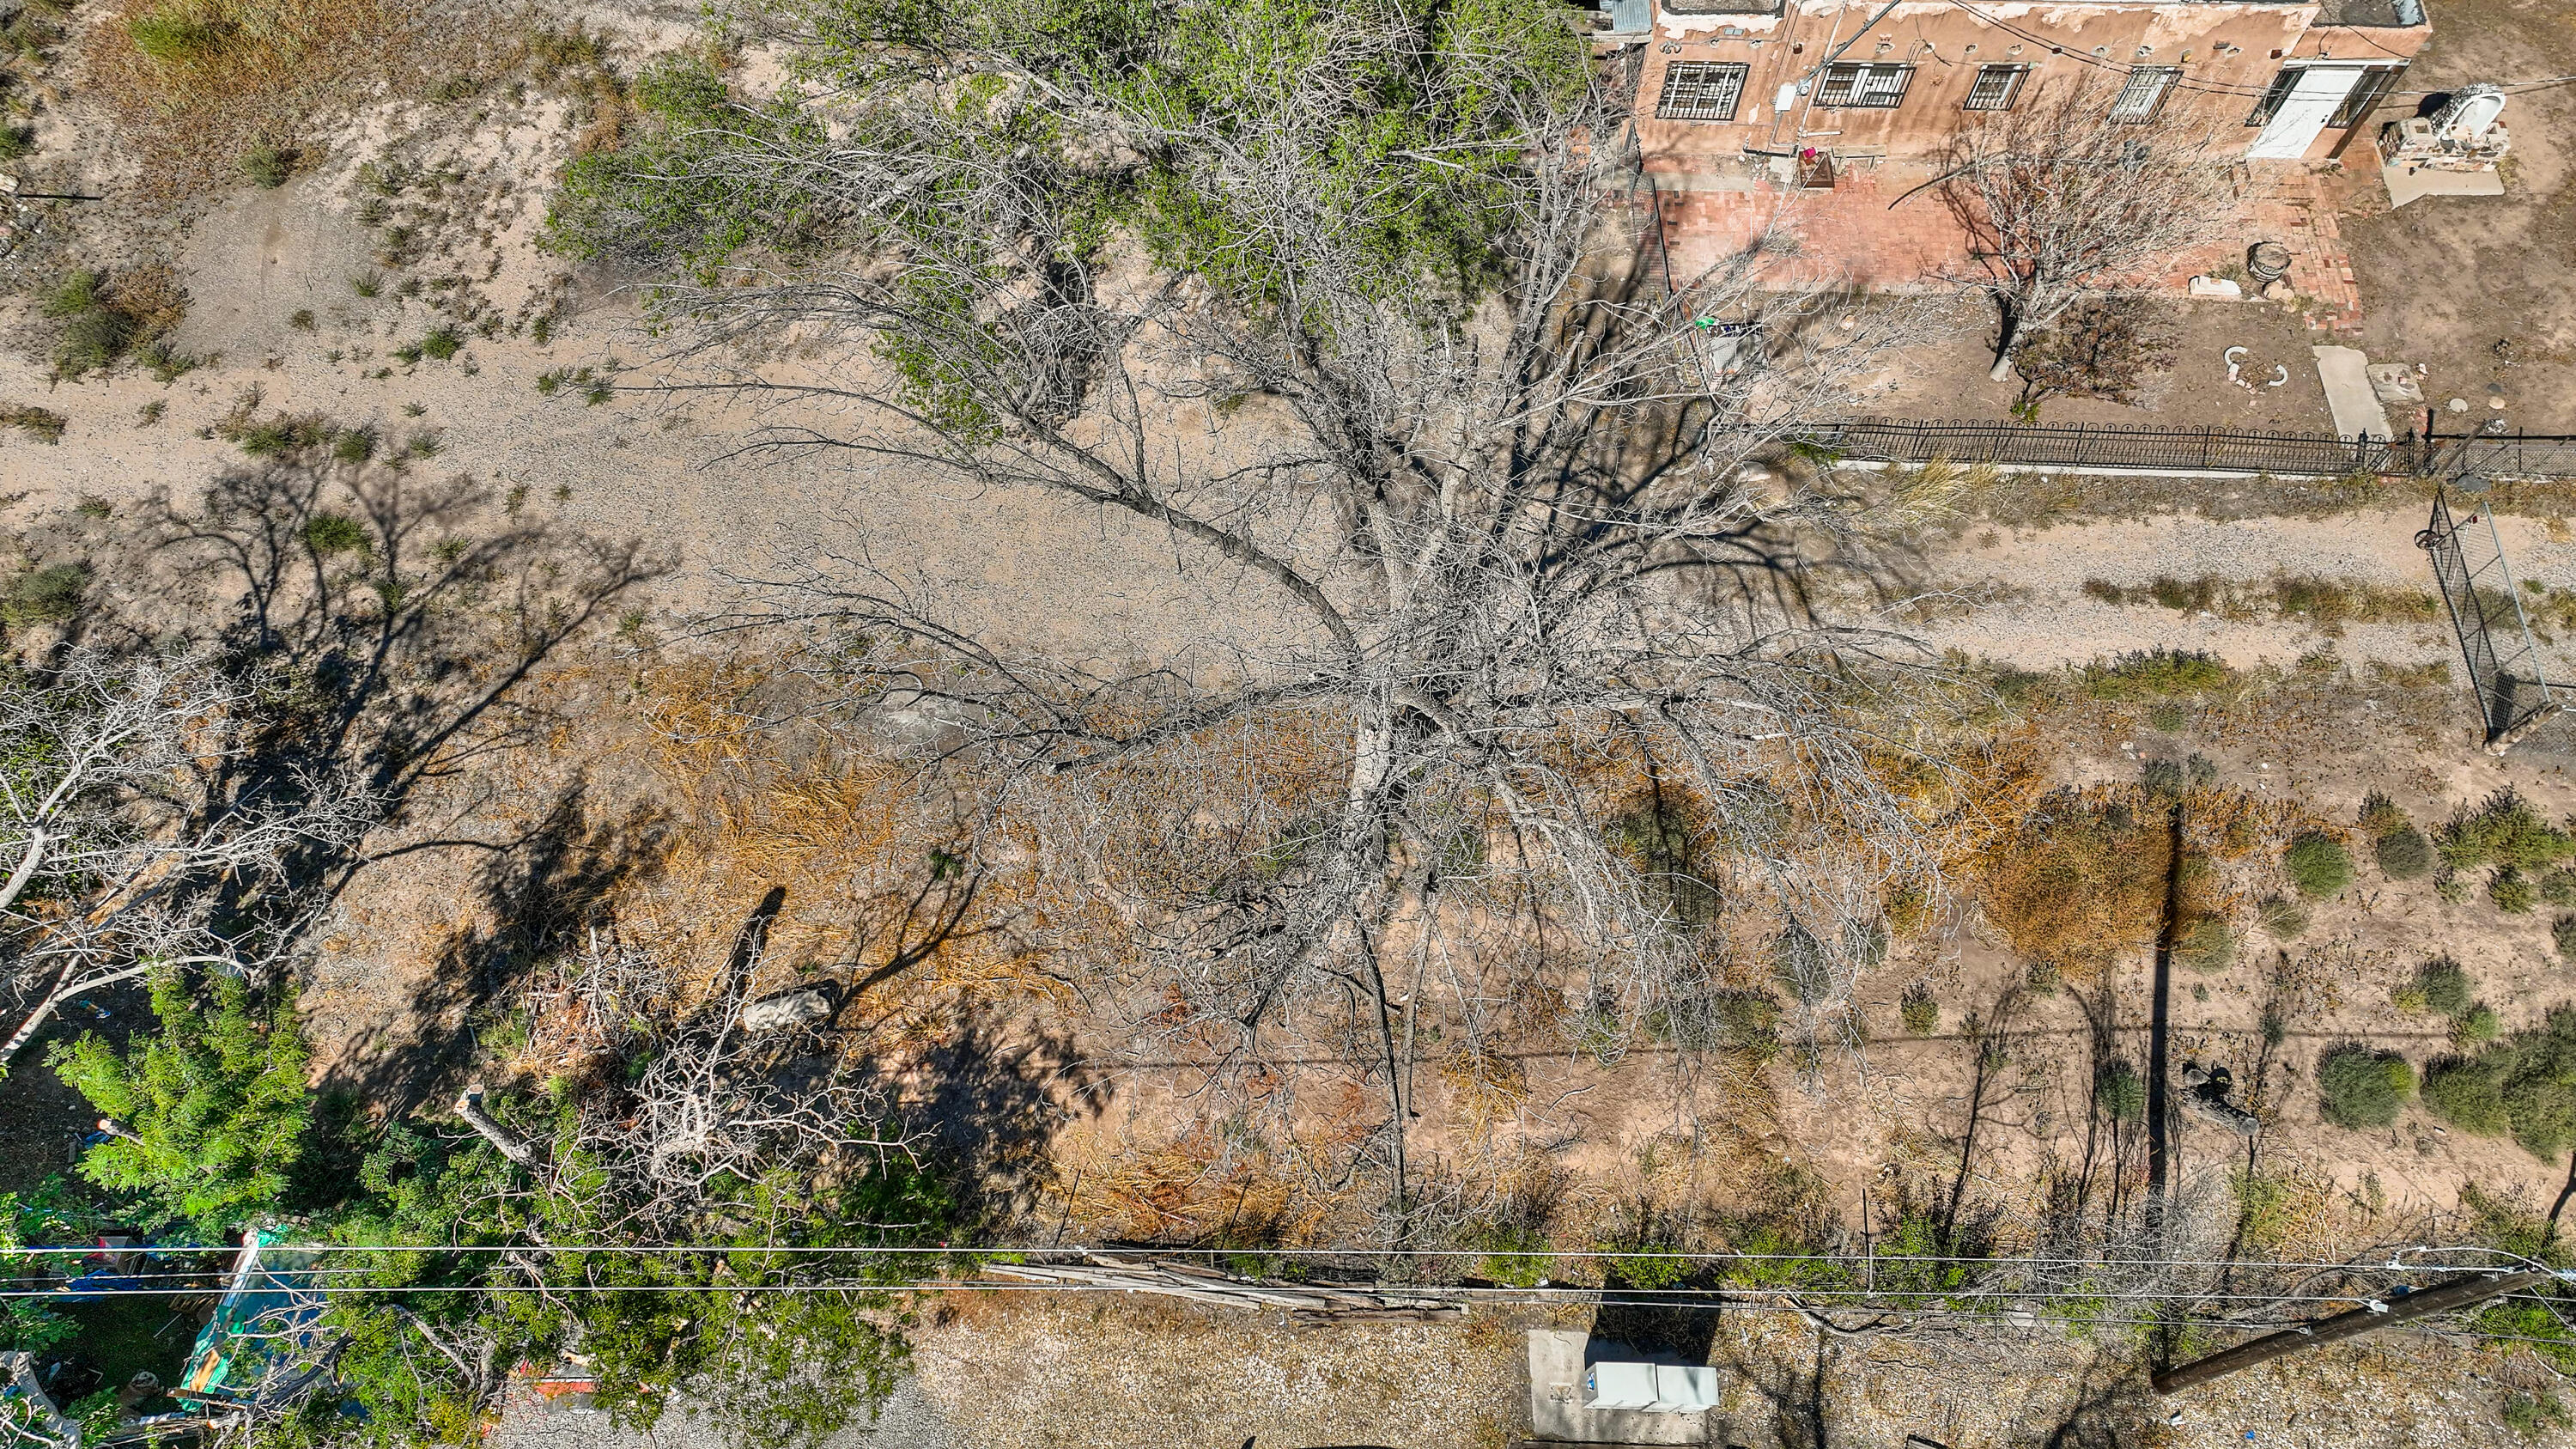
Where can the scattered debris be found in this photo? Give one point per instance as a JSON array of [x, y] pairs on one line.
[[2207, 1091], [2396, 383], [2452, 152]]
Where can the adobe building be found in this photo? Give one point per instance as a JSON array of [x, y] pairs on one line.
[[1827, 120], [1729, 82]]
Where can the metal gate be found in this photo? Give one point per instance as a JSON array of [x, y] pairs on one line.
[[2495, 638]]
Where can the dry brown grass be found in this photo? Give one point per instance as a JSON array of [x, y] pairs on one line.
[[195, 85], [1485, 1085], [860, 842], [2080, 881]]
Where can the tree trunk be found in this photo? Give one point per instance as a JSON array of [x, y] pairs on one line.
[[2008, 331], [510, 1144], [66, 986]]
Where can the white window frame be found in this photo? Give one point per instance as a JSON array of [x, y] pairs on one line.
[[1689, 85], [1864, 85], [2009, 76], [2144, 93]]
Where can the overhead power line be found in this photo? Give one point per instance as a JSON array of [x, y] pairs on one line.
[[2392, 1264]]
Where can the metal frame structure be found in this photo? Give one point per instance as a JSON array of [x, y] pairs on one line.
[[2486, 612]]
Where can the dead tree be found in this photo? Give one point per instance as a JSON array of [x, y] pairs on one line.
[[1496, 505], [117, 838], [2086, 186]]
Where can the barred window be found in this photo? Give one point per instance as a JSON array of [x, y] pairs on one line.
[[1996, 88], [1868, 87], [1702, 90], [2144, 93]]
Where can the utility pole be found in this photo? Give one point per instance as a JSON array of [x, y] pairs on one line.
[[2457, 1293]]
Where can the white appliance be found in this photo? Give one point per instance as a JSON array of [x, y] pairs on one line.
[[1652, 1388]]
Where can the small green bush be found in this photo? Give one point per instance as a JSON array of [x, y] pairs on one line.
[[2558, 888], [2043, 978], [267, 166], [43, 424], [2468, 1094], [2284, 919], [17, 142], [91, 340], [329, 534], [442, 343], [2562, 933], [2503, 830], [49, 595], [2209, 946], [2408, 998], [2476, 1026], [2380, 816], [2167, 716], [178, 35], [2524, 1084], [2512, 892], [2166, 672], [2404, 853], [2445, 987], [2318, 865], [2121, 1091], [1920, 1013], [2363, 1087], [2529, 1415]]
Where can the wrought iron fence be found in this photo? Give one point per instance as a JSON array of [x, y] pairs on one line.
[[2232, 450]]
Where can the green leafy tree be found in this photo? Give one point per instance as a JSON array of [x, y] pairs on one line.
[[693, 1137], [208, 1112], [48, 1215]]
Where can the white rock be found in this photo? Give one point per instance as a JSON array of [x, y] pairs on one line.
[[2215, 287], [782, 1009]]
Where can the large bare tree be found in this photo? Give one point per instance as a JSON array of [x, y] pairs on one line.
[[2087, 185], [1340, 303], [125, 851]]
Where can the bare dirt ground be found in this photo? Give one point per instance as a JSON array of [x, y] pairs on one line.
[[2445, 280], [1054, 1375], [1946, 376]]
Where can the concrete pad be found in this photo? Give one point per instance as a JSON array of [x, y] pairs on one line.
[[2397, 384], [1557, 1414], [2346, 374], [2406, 183]]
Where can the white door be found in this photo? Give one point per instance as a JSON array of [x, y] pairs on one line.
[[2304, 112]]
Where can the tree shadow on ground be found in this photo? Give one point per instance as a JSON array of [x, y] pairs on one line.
[[993, 1092], [391, 623], [391, 620], [538, 890], [1679, 1325], [1785, 1397]]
